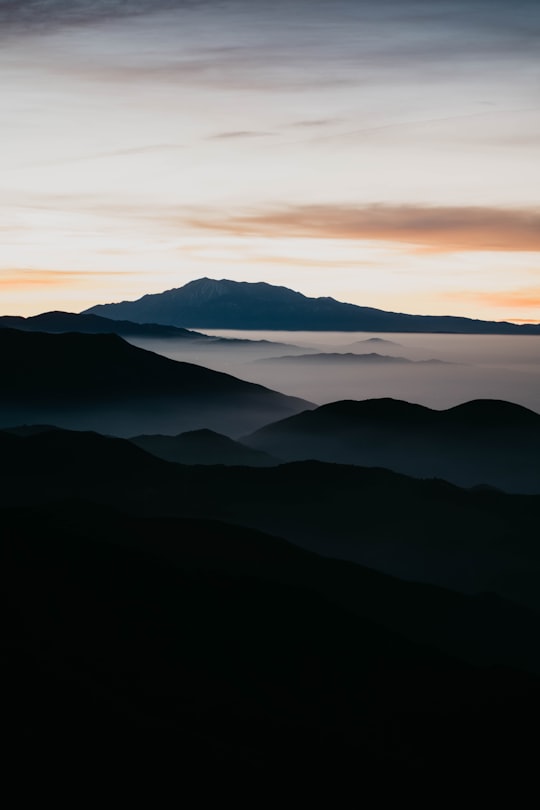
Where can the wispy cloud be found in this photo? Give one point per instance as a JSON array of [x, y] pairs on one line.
[[241, 133], [24, 278], [315, 122], [419, 123], [521, 298], [112, 153], [30, 15], [441, 229]]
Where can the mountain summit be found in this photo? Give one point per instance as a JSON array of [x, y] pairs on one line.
[[211, 304]]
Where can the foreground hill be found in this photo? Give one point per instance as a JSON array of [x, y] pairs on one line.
[[429, 531], [211, 304], [480, 442], [100, 382], [232, 647]]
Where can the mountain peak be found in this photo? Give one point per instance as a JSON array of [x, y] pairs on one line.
[[207, 303]]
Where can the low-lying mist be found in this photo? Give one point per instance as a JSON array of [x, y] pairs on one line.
[[471, 367]]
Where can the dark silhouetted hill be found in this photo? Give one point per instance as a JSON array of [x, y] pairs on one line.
[[146, 335], [486, 442], [229, 645], [203, 447], [428, 531], [100, 382], [224, 304], [95, 325]]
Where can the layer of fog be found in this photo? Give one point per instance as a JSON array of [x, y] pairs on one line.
[[475, 366]]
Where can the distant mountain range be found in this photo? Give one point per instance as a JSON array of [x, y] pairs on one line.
[[211, 304], [100, 382], [348, 358], [480, 442]]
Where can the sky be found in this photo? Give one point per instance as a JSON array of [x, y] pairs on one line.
[[384, 153]]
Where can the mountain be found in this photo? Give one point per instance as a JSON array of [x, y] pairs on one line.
[[486, 442], [143, 334], [379, 341], [212, 304], [344, 357], [203, 447], [425, 531], [95, 325], [229, 646], [100, 382]]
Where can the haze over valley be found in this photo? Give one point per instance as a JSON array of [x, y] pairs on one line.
[[474, 366]]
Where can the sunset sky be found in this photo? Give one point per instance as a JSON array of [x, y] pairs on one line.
[[385, 153]]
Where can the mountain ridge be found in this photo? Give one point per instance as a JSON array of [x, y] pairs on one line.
[[203, 447], [56, 378], [421, 530], [480, 442], [58, 321], [225, 304]]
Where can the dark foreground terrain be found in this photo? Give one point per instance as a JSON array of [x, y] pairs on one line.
[[128, 616], [239, 650]]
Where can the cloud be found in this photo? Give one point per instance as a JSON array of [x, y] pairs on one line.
[[284, 43], [241, 133], [112, 153], [440, 229], [521, 298], [31, 15], [315, 122], [523, 139], [24, 278]]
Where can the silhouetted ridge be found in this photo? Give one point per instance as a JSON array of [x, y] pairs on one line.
[[481, 412], [345, 413], [68, 362], [419, 530], [29, 430], [203, 447], [492, 412], [58, 321], [53, 377], [43, 363], [58, 452], [225, 304], [483, 442]]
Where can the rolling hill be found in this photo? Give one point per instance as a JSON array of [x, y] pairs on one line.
[[427, 531], [203, 447], [486, 442]]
